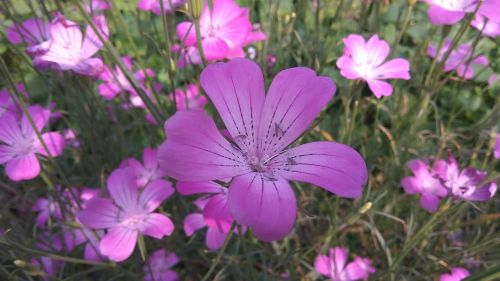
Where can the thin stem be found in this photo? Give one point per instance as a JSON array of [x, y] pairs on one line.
[[198, 41], [220, 253]]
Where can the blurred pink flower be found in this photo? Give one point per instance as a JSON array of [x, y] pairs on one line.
[[47, 208], [148, 172], [129, 213], [259, 160], [335, 266], [426, 183], [19, 143], [496, 149], [216, 215], [9, 104], [492, 80], [457, 274], [161, 262], [154, 6], [489, 27], [464, 184], [116, 82], [458, 59], [95, 6], [67, 49], [365, 60], [446, 12], [189, 99], [32, 32], [225, 30]]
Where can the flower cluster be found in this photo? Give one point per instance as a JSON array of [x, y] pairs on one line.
[[445, 178], [335, 266]]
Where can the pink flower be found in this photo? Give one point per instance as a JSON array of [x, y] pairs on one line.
[[336, 267], [148, 172], [154, 6], [259, 160], [116, 82], [489, 27], [32, 32], [47, 208], [216, 215], [69, 50], [9, 104], [426, 183], [496, 150], [492, 80], [160, 262], [464, 184], [458, 59], [457, 274], [93, 6], [19, 143], [128, 214], [225, 30], [365, 61], [189, 99], [446, 12]]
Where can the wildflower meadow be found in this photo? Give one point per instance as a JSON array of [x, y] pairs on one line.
[[197, 140]]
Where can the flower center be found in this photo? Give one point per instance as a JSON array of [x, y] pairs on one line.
[[134, 221]]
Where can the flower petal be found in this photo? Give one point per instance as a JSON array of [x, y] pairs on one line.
[[195, 144], [440, 16], [155, 193], [23, 168], [335, 167], [9, 129], [395, 69], [182, 29], [122, 188], [99, 213], [55, 143], [216, 213], [429, 202], [215, 238], [295, 99], [380, 88], [268, 206], [237, 90], [157, 225], [193, 222], [322, 265], [118, 244], [188, 188]]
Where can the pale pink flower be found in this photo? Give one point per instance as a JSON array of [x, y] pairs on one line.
[[19, 143], [365, 60], [148, 172], [225, 30], [160, 263], [335, 266], [259, 158], [189, 99], [448, 12], [128, 214], [68, 49], [154, 6], [458, 59], [456, 274], [426, 183]]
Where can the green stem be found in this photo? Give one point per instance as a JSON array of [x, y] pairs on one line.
[[198, 41], [220, 253]]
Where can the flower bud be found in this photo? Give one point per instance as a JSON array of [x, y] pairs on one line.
[[195, 7]]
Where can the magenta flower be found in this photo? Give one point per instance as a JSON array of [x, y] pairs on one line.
[[489, 27], [225, 30], [216, 215], [426, 183], [446, 12], [148, 172], [496, 149], [259, 160], [46, 208], [458, 59], [457, 274], [464, 184], [365, 61], [189, 99], [19, 143], [93, 6], [32, 32], [116, 82], [68, 49], [10, 104], [161, 262], [154, 6], [128, 214], [336, 267]]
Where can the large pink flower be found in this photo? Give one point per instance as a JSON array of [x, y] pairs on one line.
[[365, 60], [259, 159], [425, 182], [19, 143], [68, 49], [128, 214], [335, 266], [447, 12], [225, 30]]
